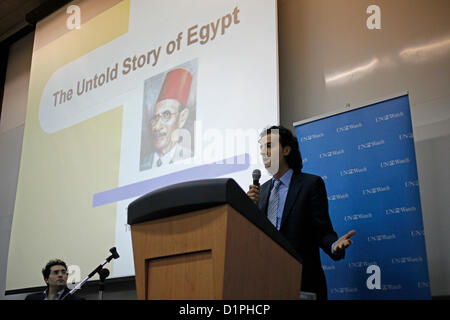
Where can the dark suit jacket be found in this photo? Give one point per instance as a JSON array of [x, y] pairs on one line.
[[41, 296], [307, 226]]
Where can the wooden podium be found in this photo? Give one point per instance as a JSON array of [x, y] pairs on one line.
[[207, 240]]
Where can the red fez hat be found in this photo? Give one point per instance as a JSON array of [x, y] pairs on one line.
[[176, 86]]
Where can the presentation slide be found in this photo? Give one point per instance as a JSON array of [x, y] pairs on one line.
[[139, 95]]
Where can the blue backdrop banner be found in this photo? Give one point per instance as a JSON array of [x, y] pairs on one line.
[[367, 159]]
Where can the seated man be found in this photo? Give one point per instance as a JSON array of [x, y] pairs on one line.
[[55, 276]]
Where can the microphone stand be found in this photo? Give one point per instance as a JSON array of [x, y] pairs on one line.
[[114, 255], [104, 273]]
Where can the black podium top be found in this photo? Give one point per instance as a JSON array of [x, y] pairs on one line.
[[201, 194]]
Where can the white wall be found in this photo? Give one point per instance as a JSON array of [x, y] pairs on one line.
[[329, 58]]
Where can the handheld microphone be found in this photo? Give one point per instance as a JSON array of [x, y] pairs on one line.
[[256, 175]]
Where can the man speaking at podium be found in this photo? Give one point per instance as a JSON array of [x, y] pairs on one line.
[[297, 205]]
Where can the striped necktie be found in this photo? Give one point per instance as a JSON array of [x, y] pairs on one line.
[[274, 200]]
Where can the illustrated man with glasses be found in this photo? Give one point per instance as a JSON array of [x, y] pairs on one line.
[[171, 142], [55, 276]]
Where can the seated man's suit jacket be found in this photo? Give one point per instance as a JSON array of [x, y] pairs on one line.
[[41, 296], [307, 226]]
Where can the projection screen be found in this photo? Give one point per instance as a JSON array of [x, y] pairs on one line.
[[138, 96]]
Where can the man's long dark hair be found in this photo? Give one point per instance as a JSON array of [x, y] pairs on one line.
[[294, 158]]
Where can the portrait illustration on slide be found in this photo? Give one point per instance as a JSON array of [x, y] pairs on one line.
[[169, 113]]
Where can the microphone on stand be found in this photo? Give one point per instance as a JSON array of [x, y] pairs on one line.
[[114, 255]]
